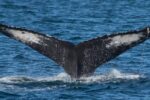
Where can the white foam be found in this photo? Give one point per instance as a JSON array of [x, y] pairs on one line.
[[16, 79], [123, 39], [114, 74], [63, 77]]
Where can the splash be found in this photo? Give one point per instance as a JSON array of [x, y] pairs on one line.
[[114, 74], [17, 84]]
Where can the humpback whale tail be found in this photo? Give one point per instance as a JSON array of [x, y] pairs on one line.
[[82, 59]]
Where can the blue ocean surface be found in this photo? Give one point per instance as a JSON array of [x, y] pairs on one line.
[[28, 75]]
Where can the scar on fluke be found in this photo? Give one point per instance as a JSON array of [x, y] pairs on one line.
[[81, 59]]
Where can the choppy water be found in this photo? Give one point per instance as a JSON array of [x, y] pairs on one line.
[[25, 74]]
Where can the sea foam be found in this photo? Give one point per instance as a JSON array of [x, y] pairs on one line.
[[113, 74]]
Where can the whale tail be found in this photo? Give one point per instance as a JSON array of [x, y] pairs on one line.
[[60, 51], [84, 58]]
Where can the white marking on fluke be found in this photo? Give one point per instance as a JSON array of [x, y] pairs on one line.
[[123, 40], [25, 37]]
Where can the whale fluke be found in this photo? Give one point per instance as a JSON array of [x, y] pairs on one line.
[[82, 59]]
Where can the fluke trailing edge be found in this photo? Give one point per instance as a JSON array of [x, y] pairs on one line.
[[82, 59]]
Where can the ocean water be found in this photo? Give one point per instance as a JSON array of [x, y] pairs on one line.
[[28, 75]]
